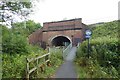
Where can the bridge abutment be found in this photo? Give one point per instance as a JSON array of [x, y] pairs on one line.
[[73, 30]]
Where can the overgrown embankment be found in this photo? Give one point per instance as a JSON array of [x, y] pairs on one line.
[[16, 48], [104, 61], [14, 65]]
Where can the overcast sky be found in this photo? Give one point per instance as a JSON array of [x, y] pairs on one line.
[[91, 11]]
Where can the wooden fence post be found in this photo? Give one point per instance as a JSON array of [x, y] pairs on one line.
[[27, 72], [46, 60], [37, 67], [49, 60]]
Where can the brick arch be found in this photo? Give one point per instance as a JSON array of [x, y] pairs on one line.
[[50, 38], [61, 35], [60, 40], [72, 29]]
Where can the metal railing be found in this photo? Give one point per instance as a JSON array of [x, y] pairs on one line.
[[55, 49], [66, 50], [78, 45]]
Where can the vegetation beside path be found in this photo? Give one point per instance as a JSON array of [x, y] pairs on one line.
[[104, 60], [16, 48]]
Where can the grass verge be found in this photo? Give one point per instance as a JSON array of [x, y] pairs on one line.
[[89, 68]]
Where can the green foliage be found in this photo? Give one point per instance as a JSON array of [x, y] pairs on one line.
[[31, 26], [105, 29], [13, 43], [55, 61], [16, 48], [56, 56], [14, 65], [89, 68], [104, 50], [16, 44], [14, 8], [14, 40]]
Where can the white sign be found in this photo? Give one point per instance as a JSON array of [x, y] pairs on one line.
[[88, 32], [87, 36]]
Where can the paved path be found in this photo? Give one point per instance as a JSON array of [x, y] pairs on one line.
[[67, 69], [72, 54]]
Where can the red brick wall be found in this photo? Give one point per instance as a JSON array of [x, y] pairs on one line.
[[52, 29], [35, 37], [48, 36]]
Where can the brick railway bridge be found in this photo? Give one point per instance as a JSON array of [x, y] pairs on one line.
[[59, 33]]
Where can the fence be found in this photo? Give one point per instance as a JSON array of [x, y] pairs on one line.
[[66, 50], [78, 45], [55, 49], [37, 66]]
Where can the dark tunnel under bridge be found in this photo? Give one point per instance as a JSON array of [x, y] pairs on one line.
[[60, 41]]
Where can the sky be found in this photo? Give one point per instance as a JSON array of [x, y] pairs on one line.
[[91, 11]]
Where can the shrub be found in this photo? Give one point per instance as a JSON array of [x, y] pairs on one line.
[[103, 49], [105, 29], [13, 66]]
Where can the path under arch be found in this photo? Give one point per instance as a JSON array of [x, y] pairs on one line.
[[67, 69], [60, 41]]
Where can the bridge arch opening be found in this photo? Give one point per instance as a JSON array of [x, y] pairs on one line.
[[61, 41]]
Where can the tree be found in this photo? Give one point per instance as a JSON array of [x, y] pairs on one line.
[[13, 43], [14, 40], [31, 26], [8, 10]]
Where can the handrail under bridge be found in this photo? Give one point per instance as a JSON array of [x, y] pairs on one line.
[[67, 50]]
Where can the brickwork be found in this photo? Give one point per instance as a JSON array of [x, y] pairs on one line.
[[73, 29]]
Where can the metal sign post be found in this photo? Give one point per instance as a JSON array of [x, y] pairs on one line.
[[88, 35], [88, 47]]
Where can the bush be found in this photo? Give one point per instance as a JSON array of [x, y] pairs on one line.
[[55, 61], [88, 68], [13, 66], [16, 44], [105, 29], [104, 49], [13, 43]]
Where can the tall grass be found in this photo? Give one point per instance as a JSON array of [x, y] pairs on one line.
[[14, 65]]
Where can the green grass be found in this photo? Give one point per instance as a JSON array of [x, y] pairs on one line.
[[88, 68], [105, 29], [14, 66], [55, 61]]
